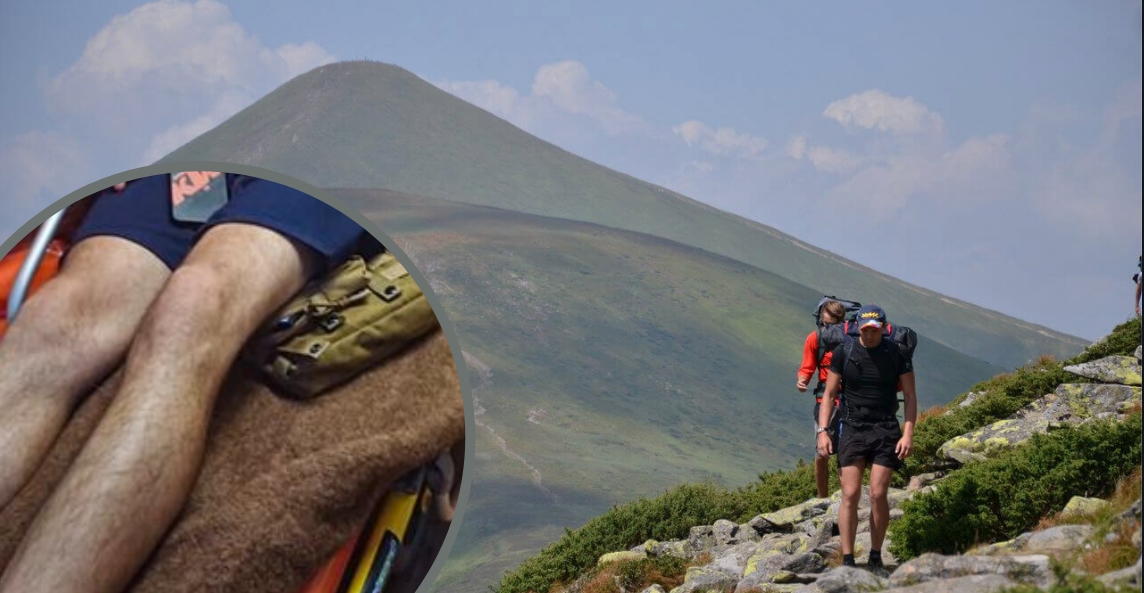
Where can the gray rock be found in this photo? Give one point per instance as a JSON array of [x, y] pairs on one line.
[[1016, 544], [978, 583], [821, 537], [701, 537], [761, 571], [734, 559], [846, 579], [1061, 538], [1070, 403], [1033, 569], [896, 496], [1124, 370], [653, 589], [1137, 353], [970, 398], [761, 526], [922, 480], [1139, 577], [701, 578], [1079, 505], [725, 533], [1124, 576], [620, 557], [1136, 539], [785, 519]]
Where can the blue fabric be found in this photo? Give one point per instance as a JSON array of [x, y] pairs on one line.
[[141, 213]]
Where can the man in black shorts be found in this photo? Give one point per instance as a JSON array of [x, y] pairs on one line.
[[867, 371], [174, 301]]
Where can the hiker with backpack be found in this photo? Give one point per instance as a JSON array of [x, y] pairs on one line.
[[866, 370], [816, 358]]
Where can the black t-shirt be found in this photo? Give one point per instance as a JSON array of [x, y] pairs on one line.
[[870, 379]]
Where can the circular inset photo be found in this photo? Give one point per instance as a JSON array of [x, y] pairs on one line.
[[212, 381]]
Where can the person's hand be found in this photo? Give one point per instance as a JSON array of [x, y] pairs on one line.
[[118, 187], [1137, 308], [905, 447], [802, 383], [825, 446]]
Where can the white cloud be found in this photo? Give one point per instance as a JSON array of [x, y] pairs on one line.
[[170, 60], [724, 141], [562, 96], [830, 160], [489, 95], [887, 113], [570, 87], [796, 147]]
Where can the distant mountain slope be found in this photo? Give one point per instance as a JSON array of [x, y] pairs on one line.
[[609, 364], [371, 125]]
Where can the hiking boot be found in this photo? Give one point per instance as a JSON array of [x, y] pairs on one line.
[[874, 565]]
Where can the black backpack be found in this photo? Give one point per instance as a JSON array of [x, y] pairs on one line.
[[846, 332]]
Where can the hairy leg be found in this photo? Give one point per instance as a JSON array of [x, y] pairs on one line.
[[822, 475], [133, 476], [68, 336], [851, 477], [879, 505]]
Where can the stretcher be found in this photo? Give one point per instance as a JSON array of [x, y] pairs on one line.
[[392, 536]]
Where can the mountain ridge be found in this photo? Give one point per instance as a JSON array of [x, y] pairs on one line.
[[368, 125]]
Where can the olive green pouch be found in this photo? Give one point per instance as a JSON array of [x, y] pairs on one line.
[[355, 317]]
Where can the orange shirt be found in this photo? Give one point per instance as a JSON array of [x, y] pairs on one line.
[[809, 354]]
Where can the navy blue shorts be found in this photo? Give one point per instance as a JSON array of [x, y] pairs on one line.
[[141, 213]]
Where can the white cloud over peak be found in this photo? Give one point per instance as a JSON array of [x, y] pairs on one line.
[[171, 60], [887, 113], [561, 92], [724, 141]]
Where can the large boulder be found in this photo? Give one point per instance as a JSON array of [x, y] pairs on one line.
[[1079, 505], [845, 579], [702, 578], [1062, 538], [785, 519], [1033, 570], [625, 556], [1070, 403], [1124, 370], [978, 583], [781, 566]]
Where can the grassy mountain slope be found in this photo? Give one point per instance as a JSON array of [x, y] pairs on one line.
[[370, 125], [608, 364]]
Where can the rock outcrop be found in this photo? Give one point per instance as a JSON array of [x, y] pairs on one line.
[[797, 549]]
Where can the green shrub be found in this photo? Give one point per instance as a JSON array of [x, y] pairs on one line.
[[660, 570], [1123, 341], [669, 516], [1000, 498], [1003, 395]]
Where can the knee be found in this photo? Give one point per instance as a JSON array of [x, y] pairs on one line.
[[191, 306], [878, 492], [851, 491]]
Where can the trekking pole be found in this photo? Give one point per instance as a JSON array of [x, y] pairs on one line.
[[32, 263]]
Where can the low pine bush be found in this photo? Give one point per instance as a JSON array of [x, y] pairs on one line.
[[1000, 498]]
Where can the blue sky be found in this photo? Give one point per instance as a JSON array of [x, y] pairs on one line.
[[989, 151]]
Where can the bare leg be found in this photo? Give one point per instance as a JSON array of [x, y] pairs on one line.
[[879, 505], [67, 337], [851, 476], [822, 475], [133, 476]]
